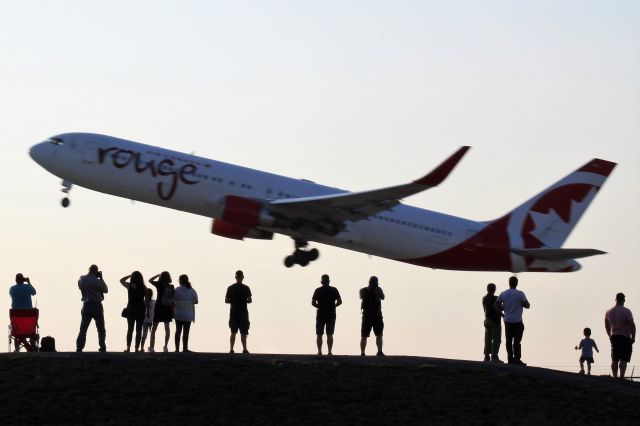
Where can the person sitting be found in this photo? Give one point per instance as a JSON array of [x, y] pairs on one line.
[[21, 293]]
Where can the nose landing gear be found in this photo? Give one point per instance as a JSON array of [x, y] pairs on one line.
[[66, 187], [301, 257]]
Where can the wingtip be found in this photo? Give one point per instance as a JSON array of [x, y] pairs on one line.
[[440, 173], [598, 166]]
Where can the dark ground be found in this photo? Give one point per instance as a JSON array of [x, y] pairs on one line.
[[179, 389]]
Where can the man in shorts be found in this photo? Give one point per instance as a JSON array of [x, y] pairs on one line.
[[372, 297], [238, 295], [325, 299], [618, 321]]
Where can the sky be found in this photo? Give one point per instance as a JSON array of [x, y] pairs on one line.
[[357, 95]]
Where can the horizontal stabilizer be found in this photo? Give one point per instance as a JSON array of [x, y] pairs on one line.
[[557, 253]]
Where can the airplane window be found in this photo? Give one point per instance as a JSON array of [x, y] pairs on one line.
[[56, 141]]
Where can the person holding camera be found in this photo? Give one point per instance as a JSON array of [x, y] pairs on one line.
[[372, 297], [21, 293], [92, 287]]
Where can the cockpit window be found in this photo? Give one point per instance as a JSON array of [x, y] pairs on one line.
[[56, 141]]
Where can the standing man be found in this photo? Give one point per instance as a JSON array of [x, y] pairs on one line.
[[372, 297], [618, 321], [325, 299], [238, 295], [492, 327], [511, 302], [93, 288], [21, 293]]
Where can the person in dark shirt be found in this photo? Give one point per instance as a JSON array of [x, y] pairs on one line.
[[371, 307], [325, 299], [238, 295], [492, 326]]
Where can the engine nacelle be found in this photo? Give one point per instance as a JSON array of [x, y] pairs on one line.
[[238, 232], [245, 212]]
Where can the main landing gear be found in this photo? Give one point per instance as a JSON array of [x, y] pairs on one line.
[[301, 257], [66, 187]]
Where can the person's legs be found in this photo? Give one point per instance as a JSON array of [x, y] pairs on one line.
[[178, 334], [330, 327], [102, 332], [130, 323], [329, 344], [508, 335], [517, 339], [319, 332], [167, 334], [84, 326], [623, 368], [232, 341], [588, 368], [152, 340], [582, 365], [139, 322], [185, 336], [243, 339], [145, 331], [379, 344], [496, 337], [363, 345], [488, 339]]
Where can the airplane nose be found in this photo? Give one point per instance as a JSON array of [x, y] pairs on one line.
[[40, 152]]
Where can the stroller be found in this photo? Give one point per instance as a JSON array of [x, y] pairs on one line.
[[23, 329]]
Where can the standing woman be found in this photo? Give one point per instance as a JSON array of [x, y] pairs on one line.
[[163, 311], [136, 308], [186, 298]]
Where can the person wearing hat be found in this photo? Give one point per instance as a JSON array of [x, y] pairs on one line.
[[238, 296], [618, 321], [372, 297]]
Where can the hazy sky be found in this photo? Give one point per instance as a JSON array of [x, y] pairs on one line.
[[358, 95]]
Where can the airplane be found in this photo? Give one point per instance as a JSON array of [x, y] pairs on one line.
[[248, 203]]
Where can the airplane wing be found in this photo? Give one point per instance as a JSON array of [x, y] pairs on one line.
[[329, 212], [557, 253]]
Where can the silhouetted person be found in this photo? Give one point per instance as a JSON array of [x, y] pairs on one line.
[[618, 321], [150, 304], [163, 312], [325, 299], [92, 287], [371, 307], [587, 345], [492, 326], [238, 295], [186, 298], [136, 308], [511, 302], [21, 293]]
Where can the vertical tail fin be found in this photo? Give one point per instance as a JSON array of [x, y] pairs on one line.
[[546, 220]]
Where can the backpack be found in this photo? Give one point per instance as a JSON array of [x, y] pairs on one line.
[[48, 344], [168, 298]]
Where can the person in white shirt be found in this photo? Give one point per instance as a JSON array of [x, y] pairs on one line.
[[512, 301], [185, 311]]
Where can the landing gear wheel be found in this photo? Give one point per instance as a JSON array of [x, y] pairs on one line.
[[289, 261], [313, 254], [65, 202]]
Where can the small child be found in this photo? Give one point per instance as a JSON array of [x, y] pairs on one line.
[[587, 345], [148, 319]]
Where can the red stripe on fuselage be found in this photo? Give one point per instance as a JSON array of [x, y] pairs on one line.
[[488, 250]]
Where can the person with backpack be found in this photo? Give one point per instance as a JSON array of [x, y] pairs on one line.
[[136, 309], [371, 307], [163, 311], [185, 298]]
